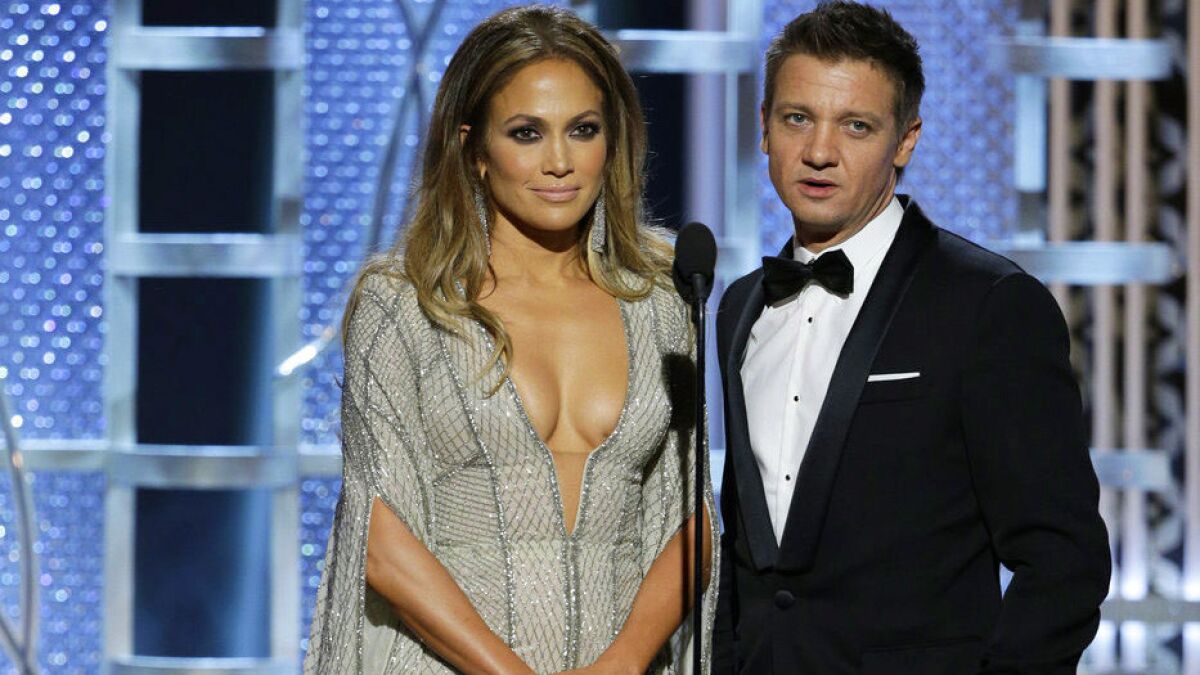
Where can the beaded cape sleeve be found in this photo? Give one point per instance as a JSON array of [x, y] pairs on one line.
[[668, 489], [382, 443]]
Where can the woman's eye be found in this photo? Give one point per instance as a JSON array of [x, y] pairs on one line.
[[586, 130], [525, 134]]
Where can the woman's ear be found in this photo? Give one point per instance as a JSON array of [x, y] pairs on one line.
[[464, 130]]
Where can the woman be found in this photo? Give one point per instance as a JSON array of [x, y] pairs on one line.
[[515, 409]]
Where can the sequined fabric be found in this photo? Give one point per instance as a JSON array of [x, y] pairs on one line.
[[470, 477]]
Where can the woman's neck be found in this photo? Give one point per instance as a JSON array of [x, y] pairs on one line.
[[539, 257]]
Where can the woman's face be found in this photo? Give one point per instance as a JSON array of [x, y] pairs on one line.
[[544, 148]]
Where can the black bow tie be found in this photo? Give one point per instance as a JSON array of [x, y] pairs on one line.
[[783, 278]]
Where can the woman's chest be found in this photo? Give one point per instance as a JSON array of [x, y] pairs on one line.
[[471, 412]]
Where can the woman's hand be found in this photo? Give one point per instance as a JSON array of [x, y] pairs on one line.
[[597, 669], [610, 662]]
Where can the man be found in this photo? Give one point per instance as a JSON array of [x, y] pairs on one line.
[[901, 417]]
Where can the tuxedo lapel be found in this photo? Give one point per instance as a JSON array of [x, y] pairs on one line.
[[752, 501], [814, 482]]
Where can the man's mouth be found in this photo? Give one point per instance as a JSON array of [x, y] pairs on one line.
[[817, 187]]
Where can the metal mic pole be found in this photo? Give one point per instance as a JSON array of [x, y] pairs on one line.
[[698, 316]]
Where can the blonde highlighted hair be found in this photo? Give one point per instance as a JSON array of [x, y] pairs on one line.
[[444, 251]]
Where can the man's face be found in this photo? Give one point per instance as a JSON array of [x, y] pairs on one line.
[[833, 146]]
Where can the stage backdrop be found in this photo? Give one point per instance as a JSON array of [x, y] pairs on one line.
[[52, 144]]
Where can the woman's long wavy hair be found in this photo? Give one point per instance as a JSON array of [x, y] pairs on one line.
[[445, 249]]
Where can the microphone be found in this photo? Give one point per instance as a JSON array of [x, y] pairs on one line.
[[695, 258]]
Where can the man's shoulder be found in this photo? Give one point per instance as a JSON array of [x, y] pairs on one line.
[[960, 261], [953, 256], [968, 274]]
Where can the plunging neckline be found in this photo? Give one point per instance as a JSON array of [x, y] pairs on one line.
[[548, 454]]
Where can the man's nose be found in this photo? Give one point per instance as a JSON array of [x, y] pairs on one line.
[[821, 150]]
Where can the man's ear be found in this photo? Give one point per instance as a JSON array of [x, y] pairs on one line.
[[762, 124], [908, 143]]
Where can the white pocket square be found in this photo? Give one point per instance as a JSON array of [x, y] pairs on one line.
[[891, 377]]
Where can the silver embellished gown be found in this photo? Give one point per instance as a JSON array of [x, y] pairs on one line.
[[470, 477]]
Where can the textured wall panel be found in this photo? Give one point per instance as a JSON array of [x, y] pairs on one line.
[[69, 547], [318, 496], [51, 214]]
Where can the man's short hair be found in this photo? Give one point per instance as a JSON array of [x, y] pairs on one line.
[[840, 30]]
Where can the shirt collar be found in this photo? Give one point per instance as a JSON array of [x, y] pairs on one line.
[[868, 243]]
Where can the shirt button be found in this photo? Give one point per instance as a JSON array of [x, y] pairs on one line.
[[795, 398], [784, 599], [787, 477], [810, 319]]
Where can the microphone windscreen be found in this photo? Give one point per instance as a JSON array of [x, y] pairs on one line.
[[695, 253]]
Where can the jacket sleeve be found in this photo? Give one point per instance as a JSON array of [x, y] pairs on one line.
[[1035, 483]]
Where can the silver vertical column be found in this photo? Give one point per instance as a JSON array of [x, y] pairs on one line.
[[132, 255]]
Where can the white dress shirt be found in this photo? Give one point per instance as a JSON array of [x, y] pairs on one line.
[[790, 356]]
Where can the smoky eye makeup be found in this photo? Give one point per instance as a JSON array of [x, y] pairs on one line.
[[524, 133], [588, 129]]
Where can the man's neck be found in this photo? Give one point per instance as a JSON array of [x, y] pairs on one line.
[[816, 242]]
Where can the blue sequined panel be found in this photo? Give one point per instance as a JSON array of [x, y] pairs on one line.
[[52, 85], [69, 547], [318, 496], [962, 170], [51, 214]]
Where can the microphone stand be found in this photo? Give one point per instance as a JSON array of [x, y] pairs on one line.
[[699, 297]]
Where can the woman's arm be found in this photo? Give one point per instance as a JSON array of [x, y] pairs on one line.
[[383, 515], [428, 601], [663, 601]]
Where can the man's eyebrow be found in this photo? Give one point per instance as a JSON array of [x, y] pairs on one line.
[[868, 116], [787, 106]]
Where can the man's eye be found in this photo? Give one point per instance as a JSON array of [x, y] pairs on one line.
[[859, 127], [795, 118]]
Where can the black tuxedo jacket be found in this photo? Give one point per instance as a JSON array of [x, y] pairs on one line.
[[913, 491]]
